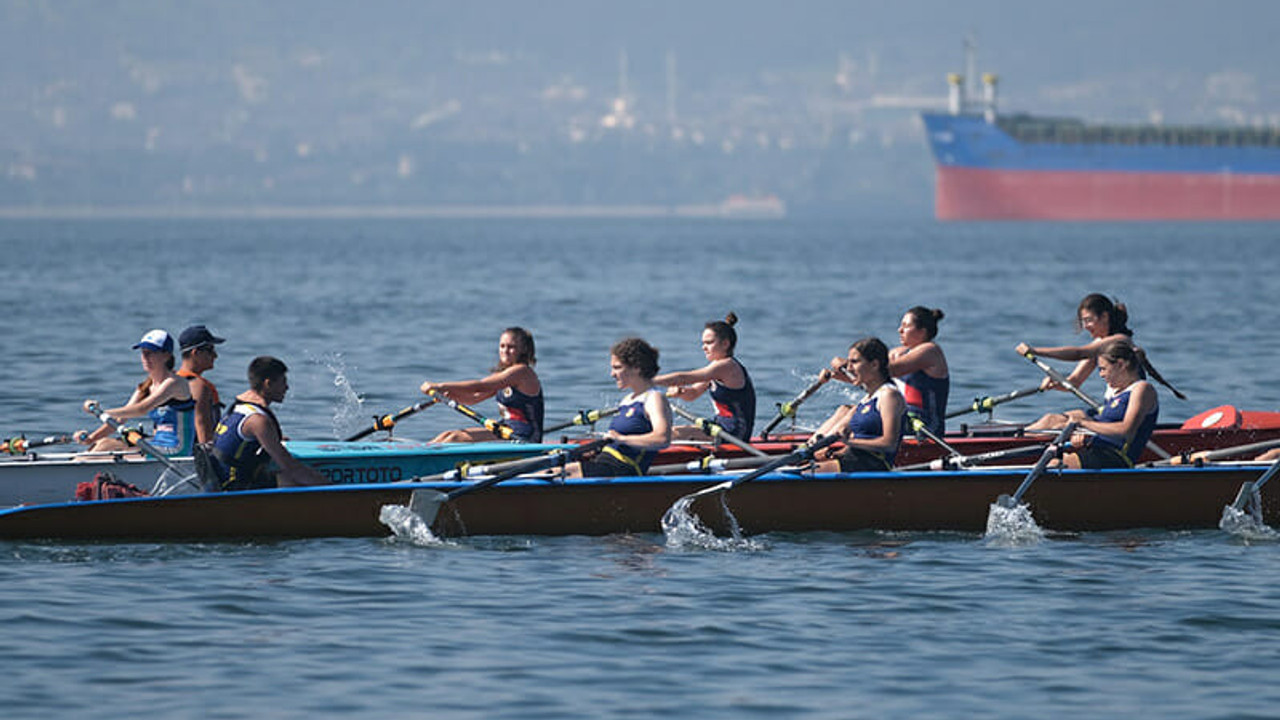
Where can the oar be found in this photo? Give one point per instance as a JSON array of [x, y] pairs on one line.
[[584, 417], [710, 464], [496, 427], [718, 433], [987, 404], [966, 461], [918, 426], [20, 445], [804, 452], [1058, 378], [1009, 503], [1220, 453], [426, 503], [386, 422], [1250, 492], [788, 409], [136, 438]]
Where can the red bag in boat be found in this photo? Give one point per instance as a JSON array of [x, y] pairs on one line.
[[105, 486]]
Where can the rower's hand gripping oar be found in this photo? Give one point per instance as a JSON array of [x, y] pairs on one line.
[[496, 427], [386, 422], [1011, 502], [135, 438], [788, 409], [20, 445], [801, 454], [1251, 493], [718, 433], [584, 417], [1058, 378], [988, 403], [426, 503]]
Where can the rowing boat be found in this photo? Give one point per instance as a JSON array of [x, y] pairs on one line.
[[1062, 500], [52, 477]]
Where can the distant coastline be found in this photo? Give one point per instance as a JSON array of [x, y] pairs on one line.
[[724, 210]]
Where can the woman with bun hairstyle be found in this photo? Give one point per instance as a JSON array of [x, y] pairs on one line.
[[727, 380], [920, 367]]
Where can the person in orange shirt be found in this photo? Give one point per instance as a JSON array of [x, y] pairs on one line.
[[198, 356]]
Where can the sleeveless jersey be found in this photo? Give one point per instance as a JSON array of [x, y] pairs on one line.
[[522, 412], [1114, 411], [927, 396], [215, 401], [240, 462], [866, 422], [174, 427], [735, 409], [632, 420]]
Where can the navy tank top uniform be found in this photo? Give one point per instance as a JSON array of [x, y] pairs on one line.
[[866, 422], [1111, 451], [174, 427], [239, 461], [618, 458], [522, 413], [735, 409], [926, 397]]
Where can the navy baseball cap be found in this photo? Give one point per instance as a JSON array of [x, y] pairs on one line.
[[197, 335]]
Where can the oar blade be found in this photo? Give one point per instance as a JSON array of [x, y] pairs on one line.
[[426, 504]]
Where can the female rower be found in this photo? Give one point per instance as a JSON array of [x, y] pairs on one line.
[[513, 382], [163, 395], [1105, 321], [872, 428], [919, 366], [1124, 424], [642, 425], [732, 393]]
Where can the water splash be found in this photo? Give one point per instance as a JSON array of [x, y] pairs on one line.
[[349, 405], [1245, 525], [684, 530], [1012, 526], [409, 526]]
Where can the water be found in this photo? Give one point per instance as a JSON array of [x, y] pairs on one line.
[[1145, 623]]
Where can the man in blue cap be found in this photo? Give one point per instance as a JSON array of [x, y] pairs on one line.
[[198, 356]]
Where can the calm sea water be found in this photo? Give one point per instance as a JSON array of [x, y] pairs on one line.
[[1153, 623]]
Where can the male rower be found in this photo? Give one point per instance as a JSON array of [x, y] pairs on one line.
[[249, 436], [198, 356]]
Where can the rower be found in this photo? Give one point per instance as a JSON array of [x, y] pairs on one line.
[[642, 426], [512, 382], [162, 395], [732, 393], [873, 427]]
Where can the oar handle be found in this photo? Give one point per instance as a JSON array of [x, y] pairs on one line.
[[1060, 379], [988, 403], [134, 438], [496, 427], [584, 417], [788, 409], [717, 432], [386, 422]]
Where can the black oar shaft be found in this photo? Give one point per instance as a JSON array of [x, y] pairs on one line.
[[788, 409], [386, 422], [987, 404], [584, 417], [1041, 464], [716, 432]]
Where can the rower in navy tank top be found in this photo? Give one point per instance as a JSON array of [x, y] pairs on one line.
[[1114, 411], [926, 396], [632, 419], [724, 377], [873, 427], [642, 425], [735, 407], [522, 412], [1123, 425]]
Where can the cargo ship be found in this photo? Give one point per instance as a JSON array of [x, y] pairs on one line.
[[1025, 167]]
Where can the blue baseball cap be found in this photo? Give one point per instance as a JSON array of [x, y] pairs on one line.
[[195, 336], [157, 340]]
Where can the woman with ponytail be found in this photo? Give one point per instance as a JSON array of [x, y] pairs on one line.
[[1105, 322], [732, 393]]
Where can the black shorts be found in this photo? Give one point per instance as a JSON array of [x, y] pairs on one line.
[[606, 465], [1098, 457], [858, 460]]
